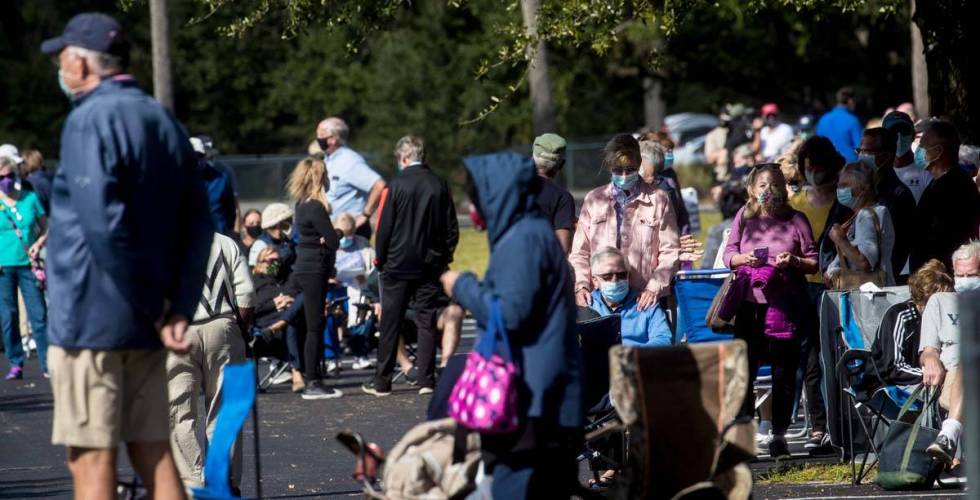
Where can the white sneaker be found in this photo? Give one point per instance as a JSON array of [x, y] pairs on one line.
[[334, 366], [282, 378], [362, 363]]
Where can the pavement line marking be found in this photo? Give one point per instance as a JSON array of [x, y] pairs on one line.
[[924, 494]]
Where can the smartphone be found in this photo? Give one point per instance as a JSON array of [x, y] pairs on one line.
[[761, 253]]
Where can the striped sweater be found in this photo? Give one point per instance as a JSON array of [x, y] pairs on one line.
[[227, 285]]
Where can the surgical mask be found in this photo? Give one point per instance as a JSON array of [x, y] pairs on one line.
[[64, 86], [817, 178], [669, 160], [963, 284], [904, 144], [625, 181], [615, 291], [920, 158], [846, 197], [7, 184], [794, 188], [253, 231], [287, 230], [322, 142], [868, 159], [346, 242]]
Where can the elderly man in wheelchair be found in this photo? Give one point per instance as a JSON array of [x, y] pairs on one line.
[[612, 295]]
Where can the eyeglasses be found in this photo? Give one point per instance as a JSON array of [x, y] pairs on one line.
[[624, 170], [617, 276], [863, 151]]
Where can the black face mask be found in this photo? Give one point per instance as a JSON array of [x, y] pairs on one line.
[[322, 142], [253, 231]]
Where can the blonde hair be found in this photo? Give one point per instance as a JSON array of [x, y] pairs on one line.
[[33, 162], [345, 222], [308, 181], [929, 279], [752, 207], [261, 266]]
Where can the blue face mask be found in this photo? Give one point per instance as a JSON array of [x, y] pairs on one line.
[[625, 181], [845, 197], [868, 159], [669, 160], [615, 291], [904, 144], [963, 284], [346, 242], [64, 86], [920, 158]]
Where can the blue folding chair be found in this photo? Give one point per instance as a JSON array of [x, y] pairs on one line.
[[863, 386]]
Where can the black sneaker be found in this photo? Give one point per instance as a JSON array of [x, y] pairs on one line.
[[778, 449], [376, 389], [817, 440], [943, 449], [315, 390], [412, 377]]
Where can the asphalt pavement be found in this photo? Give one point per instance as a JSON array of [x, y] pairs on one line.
[[300, 455]]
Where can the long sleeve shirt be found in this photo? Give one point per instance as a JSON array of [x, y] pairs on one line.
[[228, 287]]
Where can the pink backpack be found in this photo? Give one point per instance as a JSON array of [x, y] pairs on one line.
[[484, 398]]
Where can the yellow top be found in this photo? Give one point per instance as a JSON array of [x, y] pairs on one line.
[[817, 216]]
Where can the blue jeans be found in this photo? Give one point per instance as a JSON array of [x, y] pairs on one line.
[[11, 279]]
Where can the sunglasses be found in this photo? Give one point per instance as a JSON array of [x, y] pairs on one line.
[[619, 276], [624, 170]]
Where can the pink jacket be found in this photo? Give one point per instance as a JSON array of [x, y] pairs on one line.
[[649, 237]]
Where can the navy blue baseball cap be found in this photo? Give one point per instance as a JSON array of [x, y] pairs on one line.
[[90, 30], [898, 122]]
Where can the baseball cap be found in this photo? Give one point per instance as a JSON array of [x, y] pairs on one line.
[[274, 214], [770, 109], [550, 147], [897, 121], [90, 30], [10, 151]]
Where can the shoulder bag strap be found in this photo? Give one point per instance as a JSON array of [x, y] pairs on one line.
[[6, 212]]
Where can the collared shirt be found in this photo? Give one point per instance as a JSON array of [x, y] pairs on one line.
[[647, 328], [351, 179]]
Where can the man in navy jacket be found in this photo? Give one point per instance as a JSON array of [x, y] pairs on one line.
[[129, 241]]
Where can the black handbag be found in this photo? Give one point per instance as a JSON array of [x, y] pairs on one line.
[[904, 463]]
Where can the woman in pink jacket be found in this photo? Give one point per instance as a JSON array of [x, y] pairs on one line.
[[632, 216]]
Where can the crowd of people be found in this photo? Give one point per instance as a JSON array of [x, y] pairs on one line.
[[141, 322]]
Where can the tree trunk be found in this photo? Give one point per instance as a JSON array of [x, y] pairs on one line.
[[951, 40], [543, 109], [654, 107], [920, 71], [163, 87]]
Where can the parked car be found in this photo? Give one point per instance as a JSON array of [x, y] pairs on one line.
[[688, 131]]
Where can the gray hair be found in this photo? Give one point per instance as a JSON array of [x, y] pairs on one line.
[[969, 250], [6, 161], [606, 253], [100, 63], [863, 174], [653, 152], [410, 148], [337, 128]]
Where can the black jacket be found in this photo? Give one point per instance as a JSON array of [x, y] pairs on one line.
[[894, 195], [266, 289], [417, 227], [948, 216], [895, 351], [826, 250], [313, 225]]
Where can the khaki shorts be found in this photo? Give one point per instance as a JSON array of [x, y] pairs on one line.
[[951, 384], [102, 398]]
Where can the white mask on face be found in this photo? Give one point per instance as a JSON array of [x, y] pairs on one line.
[[963, 284]]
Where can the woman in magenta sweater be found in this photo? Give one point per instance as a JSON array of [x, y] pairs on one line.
[[767, 233]]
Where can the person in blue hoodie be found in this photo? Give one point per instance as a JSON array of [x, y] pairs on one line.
[[128, 245], [530, 277]]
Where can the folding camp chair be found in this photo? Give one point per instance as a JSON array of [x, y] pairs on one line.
[[597, 336], [679, 405], [869, 398]]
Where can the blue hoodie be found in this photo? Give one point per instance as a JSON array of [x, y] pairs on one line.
[[130, 230], [531, 277]]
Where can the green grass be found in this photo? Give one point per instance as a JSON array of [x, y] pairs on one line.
[[811, 473], [472, 252]]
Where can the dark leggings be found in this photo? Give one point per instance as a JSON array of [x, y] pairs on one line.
[[314, 286], [782, 355]]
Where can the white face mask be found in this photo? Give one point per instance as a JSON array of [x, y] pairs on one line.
[[964, 284]]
